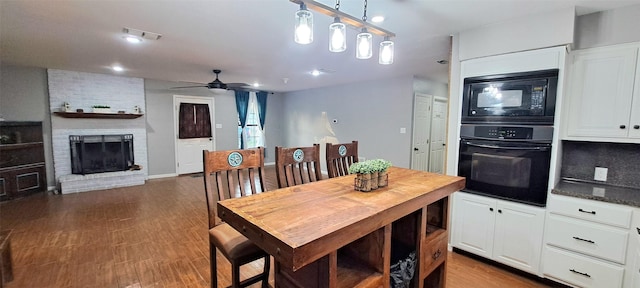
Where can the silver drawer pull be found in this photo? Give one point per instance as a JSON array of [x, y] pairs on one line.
[[578, 272], [585, 211], [585, 240]]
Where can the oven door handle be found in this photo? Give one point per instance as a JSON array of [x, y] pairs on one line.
[[535, 148]]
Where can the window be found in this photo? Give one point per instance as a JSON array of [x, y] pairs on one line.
[[253, 134]]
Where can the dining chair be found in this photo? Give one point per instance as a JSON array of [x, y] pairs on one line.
[[298, 165], [340, 157], [232, 174]]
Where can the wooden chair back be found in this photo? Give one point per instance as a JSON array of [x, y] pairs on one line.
[[231, 174], [340, 157], [298, 165]]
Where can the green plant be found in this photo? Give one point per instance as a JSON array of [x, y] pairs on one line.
[[379, 165], [369, 166], [101, 106]]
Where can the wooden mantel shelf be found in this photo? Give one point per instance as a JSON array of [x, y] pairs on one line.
[[98, 115]]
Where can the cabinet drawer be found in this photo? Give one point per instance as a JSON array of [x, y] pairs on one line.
[[591, 210], [588, 238], [434, 253], [581, 271]]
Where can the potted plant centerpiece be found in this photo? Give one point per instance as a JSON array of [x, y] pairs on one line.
[[370, 174], [381, 166], [363, 175]]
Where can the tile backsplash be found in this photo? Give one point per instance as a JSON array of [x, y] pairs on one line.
[[579, 160]]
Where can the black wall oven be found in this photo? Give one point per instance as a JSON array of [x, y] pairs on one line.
[[506, 161], [517, 98]]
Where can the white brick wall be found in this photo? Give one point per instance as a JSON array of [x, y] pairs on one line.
[[83, 90]]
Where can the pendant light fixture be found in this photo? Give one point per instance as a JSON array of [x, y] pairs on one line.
[[385, 56], [337, 33], [364, 43], [304, 25]]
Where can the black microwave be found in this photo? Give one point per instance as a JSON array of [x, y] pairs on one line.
[[517, 98]]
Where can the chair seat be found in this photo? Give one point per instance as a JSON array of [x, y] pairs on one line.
[[232, 244]]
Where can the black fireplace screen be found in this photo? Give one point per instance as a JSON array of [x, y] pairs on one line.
[[101, 153]]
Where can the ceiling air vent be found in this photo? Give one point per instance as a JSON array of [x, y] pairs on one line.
[[141, 34]]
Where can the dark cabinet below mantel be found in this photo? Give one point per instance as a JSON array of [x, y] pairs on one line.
[[22, 165]]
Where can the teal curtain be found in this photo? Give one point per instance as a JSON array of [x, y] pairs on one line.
[[242, 104], [262, 107]]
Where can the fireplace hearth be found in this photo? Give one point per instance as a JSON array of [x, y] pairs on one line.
[[92, 154]]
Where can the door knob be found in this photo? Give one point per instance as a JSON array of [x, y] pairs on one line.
[[623, 126], [415, 149], [636, 126]]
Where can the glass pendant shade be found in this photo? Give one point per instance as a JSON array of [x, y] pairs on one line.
[[385, 56], [337, 36], [304, 25], [364, 45]]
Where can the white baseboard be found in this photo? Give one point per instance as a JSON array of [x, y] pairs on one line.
[[162, 176]]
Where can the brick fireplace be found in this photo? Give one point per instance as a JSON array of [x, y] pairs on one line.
[[82, 91]]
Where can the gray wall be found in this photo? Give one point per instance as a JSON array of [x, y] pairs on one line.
[[608, 27], [159, 116], [24, 96], [370, 112]]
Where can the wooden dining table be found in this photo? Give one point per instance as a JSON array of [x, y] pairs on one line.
[[327, 234]]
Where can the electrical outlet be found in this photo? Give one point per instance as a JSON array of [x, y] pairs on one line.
[[600, 174]]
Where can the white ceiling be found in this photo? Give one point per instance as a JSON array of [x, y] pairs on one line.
[[250, 40]]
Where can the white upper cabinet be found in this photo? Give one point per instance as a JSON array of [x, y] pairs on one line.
[[602, 104]]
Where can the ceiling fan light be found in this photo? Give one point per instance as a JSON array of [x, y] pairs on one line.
[[385, 57], [217, 90], [337, 36], [304, 25], [364, 45]]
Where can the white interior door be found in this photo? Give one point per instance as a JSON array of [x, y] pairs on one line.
[[189, 151], [438, 135], [421, 131]]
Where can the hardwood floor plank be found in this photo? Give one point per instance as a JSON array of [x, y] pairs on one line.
[[153, 235]]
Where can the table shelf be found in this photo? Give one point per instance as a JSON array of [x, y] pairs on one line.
[[354, 273]]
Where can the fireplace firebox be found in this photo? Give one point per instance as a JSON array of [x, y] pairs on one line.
[[101, 153]]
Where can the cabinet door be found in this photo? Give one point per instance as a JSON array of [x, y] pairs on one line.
[[600, 92], [518, 235], [634, 123], [473, 227]]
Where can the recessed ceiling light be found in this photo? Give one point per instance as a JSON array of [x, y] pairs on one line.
[[315, 72], [133, 39], [117, 68], [377, 19], [256, 84]]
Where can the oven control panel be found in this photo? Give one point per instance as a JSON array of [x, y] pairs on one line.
[[503, 132]]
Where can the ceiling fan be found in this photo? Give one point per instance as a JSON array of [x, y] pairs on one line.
[[217, 84]]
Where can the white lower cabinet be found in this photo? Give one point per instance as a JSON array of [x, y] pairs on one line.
[[587, 242], [635, 271], [579, 270], [504, 231]]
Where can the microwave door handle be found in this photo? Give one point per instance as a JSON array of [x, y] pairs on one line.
[[507, 147]]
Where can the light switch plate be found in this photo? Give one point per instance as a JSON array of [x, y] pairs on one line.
[[600, 174]]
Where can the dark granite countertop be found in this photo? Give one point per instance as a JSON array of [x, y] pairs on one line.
[[599, 192]]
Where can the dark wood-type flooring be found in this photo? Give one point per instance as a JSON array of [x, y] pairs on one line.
[[154, 235]]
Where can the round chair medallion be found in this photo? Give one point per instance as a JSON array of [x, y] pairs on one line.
[[342, 150], [298, 155], [234, 159]]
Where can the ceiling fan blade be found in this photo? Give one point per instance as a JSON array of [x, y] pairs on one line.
[[233, 85], [182, 87]]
